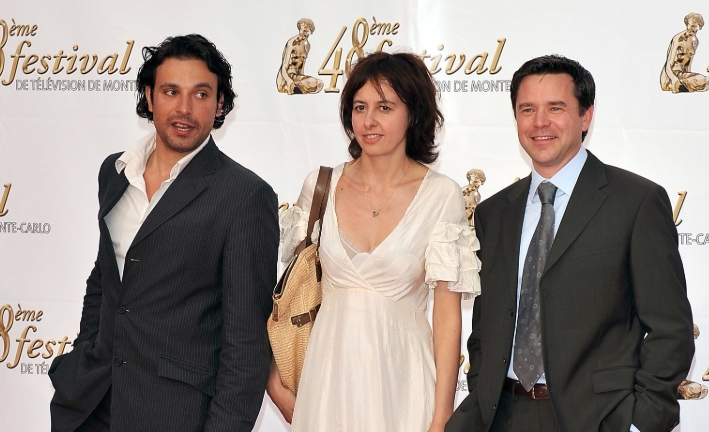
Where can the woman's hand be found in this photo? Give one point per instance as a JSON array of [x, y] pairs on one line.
[[283, 398], [437, 427]]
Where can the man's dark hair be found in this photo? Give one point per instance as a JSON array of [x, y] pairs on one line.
[[190, 47], [584, 86], [412, 82]]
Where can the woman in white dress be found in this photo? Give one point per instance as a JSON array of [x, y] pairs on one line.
[[392, 230]]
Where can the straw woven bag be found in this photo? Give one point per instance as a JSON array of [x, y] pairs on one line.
[[297, 295]]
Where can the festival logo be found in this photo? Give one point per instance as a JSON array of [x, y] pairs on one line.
[[27, 70], [688, 238], [292, 78], [677, 75], [11, 227], [26, 354]]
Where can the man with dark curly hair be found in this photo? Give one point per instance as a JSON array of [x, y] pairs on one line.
[[173, 328]]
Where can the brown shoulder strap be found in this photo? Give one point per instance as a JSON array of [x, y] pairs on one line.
[[317, 208]]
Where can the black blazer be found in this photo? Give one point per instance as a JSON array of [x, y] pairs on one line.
[[181, 341], [616, 321]]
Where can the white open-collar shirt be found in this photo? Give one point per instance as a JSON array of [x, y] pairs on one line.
[[128, 215]]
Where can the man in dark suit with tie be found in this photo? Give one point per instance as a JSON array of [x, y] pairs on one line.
[[173, 328], [583, 323]]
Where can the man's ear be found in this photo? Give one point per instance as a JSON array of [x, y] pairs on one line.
[[587, 117], [219, 106], [149, 97]]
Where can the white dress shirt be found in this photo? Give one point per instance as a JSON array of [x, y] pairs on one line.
[[128, 215], [564, 180]]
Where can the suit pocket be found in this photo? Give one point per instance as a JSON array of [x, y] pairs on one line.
[[200, 378], [467, 417], [612, 379], [596, 249]]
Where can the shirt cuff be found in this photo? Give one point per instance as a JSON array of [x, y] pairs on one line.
[[634, 429]]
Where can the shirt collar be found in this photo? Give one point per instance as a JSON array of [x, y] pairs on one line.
[[564, 180], [133, 160]]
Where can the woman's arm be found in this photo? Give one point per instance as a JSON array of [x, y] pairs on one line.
[[446, 351], [283, 398]]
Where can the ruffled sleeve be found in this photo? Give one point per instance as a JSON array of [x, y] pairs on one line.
[[294, 226], [294, 220], [450, 254]]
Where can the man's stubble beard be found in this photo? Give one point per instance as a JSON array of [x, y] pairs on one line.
[[180, 145]]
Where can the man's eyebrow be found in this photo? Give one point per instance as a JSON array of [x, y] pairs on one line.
[[557, 103], [198, 85], [552, 103]]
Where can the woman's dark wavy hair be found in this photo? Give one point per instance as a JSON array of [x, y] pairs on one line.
[[410, 79], [190, 47], [584, 86]]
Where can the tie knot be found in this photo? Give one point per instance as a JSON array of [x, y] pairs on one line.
[[546, 192]]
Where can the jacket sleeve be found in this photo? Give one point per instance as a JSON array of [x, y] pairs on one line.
[[660, 294], [91, 311], [248, 277]]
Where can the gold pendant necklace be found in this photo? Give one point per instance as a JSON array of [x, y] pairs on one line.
[[375, 213]]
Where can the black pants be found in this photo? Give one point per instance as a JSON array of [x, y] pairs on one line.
[[523, 414], [100, 418]]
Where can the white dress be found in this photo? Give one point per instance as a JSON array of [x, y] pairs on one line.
[[369, 365]]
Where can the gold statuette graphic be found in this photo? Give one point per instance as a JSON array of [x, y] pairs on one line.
[[705, 377], [471, 195], [677, 75], [291, 76], [692, 390], [696, 331]]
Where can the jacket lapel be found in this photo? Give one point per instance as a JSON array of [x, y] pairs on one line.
[[115, 188], [186, 187], [585, 201], [511, 223]]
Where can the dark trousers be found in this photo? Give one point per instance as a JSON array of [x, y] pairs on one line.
[[100, 418], [523, 414]]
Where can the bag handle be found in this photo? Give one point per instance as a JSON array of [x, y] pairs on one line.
[[318, 206]]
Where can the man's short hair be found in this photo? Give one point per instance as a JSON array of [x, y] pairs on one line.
[[190, 47], [584, 86]]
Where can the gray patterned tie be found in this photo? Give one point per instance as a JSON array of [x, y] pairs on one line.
[[528, 363]]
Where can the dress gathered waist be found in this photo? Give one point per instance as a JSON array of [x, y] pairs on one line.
[[373, 298]]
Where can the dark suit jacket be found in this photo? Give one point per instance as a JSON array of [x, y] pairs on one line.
[[616, 322], [181, 341]]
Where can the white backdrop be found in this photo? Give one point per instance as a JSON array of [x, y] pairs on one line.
[[59, 117]]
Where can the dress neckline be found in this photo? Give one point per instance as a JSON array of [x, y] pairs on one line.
[[396, 227]]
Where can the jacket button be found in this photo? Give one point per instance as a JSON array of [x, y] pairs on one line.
[[511, 312], [122, 310], [504, 360], [494, 406], [118, 361]]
